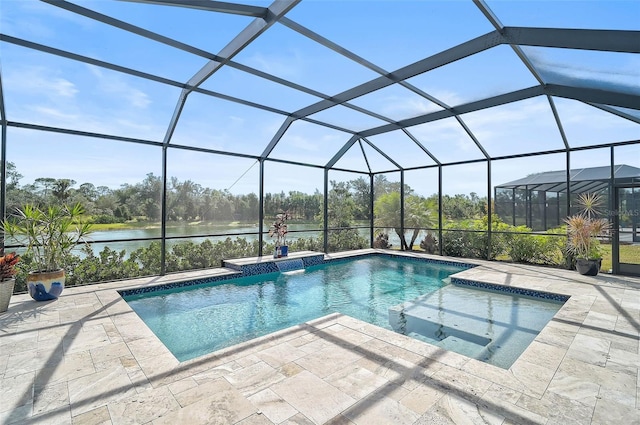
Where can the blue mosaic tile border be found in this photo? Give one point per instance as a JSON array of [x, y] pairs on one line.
[[511, 290], [434, 261], [231, 266], [174, 285], [313, 260], [421, 259], [271, 267], [261, 268]]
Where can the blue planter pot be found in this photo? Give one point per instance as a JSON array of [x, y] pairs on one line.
[[46, 286]]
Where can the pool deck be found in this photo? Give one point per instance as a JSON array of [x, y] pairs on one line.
[[87, 358]]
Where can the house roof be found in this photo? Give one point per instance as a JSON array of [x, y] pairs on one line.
[[582, 179]]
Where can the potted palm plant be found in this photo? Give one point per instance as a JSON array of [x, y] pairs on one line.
[[7, 280], [583, 230], [49, 234], [279, 230]]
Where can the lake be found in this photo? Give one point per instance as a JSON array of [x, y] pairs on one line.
[[248, 231], [296, 231], [172, 231]]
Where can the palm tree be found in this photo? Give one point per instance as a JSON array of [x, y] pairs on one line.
[[386, 215], [418, 215]]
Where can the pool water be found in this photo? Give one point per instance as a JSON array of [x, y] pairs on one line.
[[492, 326], [195, 320]]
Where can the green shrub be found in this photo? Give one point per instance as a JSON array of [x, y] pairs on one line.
[[346, 239], [429, 244], [107, 265], [304, 244], [470, 239], [190, 256], [536, 249], [382, 241]]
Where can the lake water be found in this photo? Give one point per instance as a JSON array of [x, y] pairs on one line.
[[246, 231], [172, 231], [249, 231]]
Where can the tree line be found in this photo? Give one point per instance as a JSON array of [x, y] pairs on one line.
[[189, 201], [465, 218]]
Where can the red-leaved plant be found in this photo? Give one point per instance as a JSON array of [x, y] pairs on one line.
[[279, 228], [8, 266]]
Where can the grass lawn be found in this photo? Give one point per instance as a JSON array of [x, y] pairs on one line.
[[124, 226], [628, 254]]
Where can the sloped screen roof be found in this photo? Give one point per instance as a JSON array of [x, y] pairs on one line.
[[368, 86]]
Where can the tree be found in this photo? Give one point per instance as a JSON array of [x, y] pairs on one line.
[[361, 190], [341, 211], [62, 189], [13, 176], [16, 196], [44, 187], [382, 186], [206, 206], [107, 203], [386, 213], [314, 205], [150, 193], [253, 207], [89, 191], [460, 207], [182, 199], [418, 215], [341, 205]]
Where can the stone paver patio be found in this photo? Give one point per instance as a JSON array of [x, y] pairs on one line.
[[88, 359]]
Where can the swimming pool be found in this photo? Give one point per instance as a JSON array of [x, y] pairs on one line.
[[193, 321]]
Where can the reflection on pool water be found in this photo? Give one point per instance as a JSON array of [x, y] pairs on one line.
[[193, 321]]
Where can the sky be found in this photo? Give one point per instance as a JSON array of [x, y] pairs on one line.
[[44, 89]]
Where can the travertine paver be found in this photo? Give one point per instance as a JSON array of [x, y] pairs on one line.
[[313, 397], [272, 405], [88, 359]]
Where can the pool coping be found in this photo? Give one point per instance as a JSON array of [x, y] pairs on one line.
[[560, 373]]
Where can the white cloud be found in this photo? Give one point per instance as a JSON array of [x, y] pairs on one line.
[[36, 20], [302, 143], [54, 114], [63, 87], [138, 98], [41, 81], [114, 85], [449, 97], [403, 107], [285, 67], [236, 120]]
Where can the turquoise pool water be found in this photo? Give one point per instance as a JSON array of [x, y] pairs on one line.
[[193, 321], [491, 326]]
